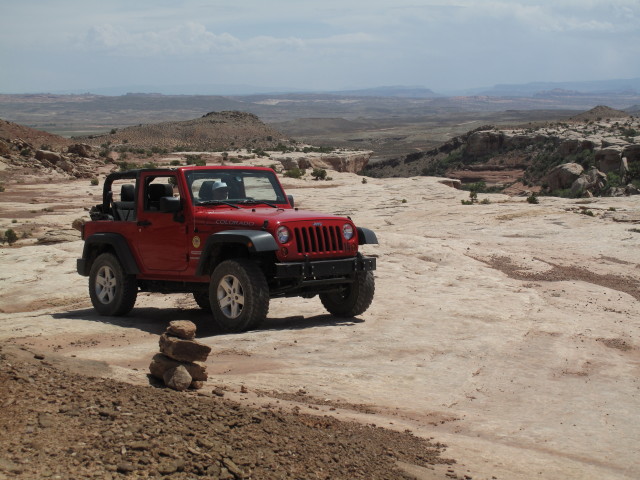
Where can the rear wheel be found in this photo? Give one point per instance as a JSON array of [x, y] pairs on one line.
[[239, 295], [112, 291], [352, 300]]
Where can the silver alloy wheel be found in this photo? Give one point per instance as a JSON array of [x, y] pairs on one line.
[[106, 285], [230, 296]]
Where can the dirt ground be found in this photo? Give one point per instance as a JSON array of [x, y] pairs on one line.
[[507, 331]]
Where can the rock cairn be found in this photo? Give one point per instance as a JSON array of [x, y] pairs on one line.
[[180, 363]]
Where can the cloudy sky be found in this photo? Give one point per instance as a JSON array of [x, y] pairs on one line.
[[84, 45]]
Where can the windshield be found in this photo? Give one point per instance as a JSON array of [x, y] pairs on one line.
[[210, 187]]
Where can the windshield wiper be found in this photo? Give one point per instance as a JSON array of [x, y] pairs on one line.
[[251, 201], [216, 202]]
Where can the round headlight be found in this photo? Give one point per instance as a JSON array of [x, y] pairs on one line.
[[347, 231], [283, 234]]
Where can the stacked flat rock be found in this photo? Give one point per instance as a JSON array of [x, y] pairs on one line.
[[180, 363]]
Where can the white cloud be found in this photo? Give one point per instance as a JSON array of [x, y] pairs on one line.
[[194, 39]]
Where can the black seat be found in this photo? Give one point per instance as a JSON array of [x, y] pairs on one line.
[[125, 209], [155, 192], [206, 190]]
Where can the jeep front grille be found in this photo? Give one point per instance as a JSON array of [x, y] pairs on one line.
[[319, 239]]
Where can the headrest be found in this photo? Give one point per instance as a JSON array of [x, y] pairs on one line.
[[128, 193]]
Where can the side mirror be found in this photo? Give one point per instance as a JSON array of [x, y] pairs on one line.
[[291, 202], [170, 205]]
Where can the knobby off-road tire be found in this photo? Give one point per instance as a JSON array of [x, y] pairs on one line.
[[354, 299], [202, 299], [112, 291], [239, 295]]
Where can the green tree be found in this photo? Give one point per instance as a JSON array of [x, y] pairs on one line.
[[11, 236], [319, 173]]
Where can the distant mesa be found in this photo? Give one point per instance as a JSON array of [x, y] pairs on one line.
[[214, 131]]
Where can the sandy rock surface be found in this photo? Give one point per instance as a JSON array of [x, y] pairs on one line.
[[508, 331]]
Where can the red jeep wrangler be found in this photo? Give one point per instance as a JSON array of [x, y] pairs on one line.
[[228, 235]]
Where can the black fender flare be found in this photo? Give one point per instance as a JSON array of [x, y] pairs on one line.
[[119, 245], [256, 241], [366, 236]]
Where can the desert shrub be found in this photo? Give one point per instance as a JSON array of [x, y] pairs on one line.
[[150, 165], [485, 201], [364, 180], [10, 236], [322, 149], [613, 180], [533, 199], [124, 166], [196, 160], [259, 152], [473, 198], [175, 163], [284, 148], [294, 172], [1, 187], [113, 131], [404, 200], [94, 181], [319, 173]]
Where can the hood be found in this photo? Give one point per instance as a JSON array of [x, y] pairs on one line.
[[255, 216]]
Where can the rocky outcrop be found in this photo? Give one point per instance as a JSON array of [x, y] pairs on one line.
[[609, 160], [589, 184], [340, 162], [574, 146], [563, 176], [53, 157], [484, 143], [81, 149]]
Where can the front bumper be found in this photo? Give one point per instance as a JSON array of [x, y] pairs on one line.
[[324, 268]]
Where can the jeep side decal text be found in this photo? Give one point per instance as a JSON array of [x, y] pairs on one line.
[[234, 222]]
